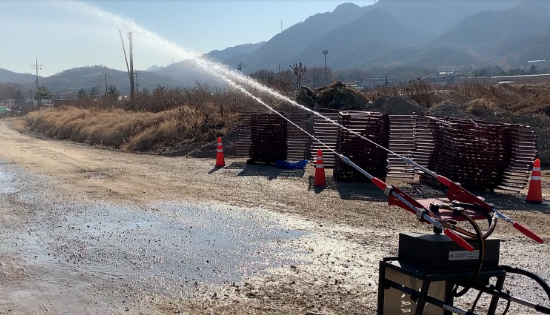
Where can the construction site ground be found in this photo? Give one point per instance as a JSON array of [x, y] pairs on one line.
[[93, 231]]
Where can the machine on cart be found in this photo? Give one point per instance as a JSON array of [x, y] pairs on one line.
[[426, 275]]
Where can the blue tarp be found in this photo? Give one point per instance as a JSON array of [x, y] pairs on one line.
[[291, 165]]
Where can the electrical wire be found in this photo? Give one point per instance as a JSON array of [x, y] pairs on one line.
[[480, 258]]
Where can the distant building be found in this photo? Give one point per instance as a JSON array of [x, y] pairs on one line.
[[448, 68], [504, 83], [539, 63]]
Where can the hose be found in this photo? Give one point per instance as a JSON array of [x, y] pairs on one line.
[[469, 236], [531, 275], [481, 241]]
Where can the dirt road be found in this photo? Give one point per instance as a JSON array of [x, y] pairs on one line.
[[86, 230]]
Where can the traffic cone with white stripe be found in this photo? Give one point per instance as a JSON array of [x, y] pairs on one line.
[[535, 186], [320, 179], [220, 160]]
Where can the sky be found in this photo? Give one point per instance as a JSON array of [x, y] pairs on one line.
[[68, 34]]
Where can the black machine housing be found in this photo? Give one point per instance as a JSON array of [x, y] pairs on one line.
[[431, 265], [437, 252]]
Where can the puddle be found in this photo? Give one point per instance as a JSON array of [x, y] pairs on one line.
[[7, 185], [159, 248]]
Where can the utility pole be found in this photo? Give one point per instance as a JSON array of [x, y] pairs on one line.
[[313, 78], [325, 52], [131, 67], [105, 71], [37, 67], [137, 81], [279, 67], [130, 75]]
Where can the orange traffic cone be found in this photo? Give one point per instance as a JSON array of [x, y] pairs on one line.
[[535, 187], [320, 179], [220, 160]]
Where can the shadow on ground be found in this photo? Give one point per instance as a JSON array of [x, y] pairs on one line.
[[503, 200], [513, 201], [350, 191], [269, 171]]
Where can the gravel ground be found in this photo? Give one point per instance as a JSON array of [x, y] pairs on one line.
[[91, 231]]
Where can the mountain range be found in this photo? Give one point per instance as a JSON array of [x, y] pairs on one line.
[[419, 33], [387, 34]]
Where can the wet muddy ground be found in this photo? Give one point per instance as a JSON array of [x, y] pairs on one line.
[[89, 231], [165, 249]]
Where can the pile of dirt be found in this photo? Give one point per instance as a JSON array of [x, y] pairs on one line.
[[333, 96], [449, 110], [396, 105]]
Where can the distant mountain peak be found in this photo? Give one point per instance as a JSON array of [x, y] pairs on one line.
[[154, 68], [230, 52], [346, 7]]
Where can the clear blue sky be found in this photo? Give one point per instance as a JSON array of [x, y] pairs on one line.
[[63, 35]]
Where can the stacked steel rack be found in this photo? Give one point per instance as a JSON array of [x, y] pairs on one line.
[[375, 127], [478, 154], [326, 132], [266, 137]]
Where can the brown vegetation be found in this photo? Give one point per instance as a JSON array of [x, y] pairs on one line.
[[163, 118], [167, 118], [517, 99]]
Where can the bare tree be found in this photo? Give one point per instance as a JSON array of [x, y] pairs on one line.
[[299, 71], [240, 66]]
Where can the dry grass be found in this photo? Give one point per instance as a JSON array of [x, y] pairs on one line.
[[519, 99], [523, 99], [418, 90], [131, 131], [165, 118]]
